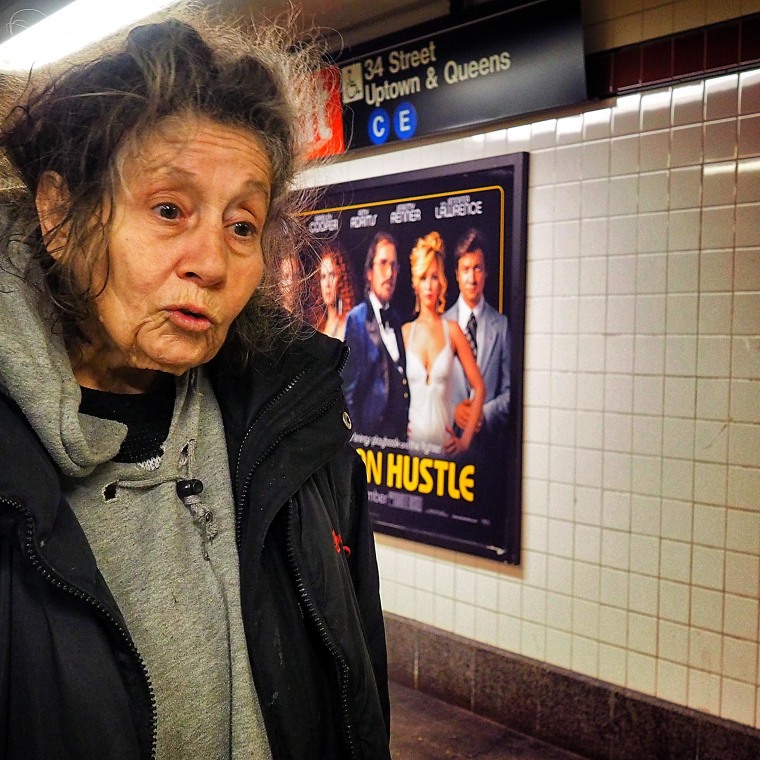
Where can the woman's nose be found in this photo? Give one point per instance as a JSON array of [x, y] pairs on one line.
[[204, 258]]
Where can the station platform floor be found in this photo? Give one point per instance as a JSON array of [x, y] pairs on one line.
[[425, 728]]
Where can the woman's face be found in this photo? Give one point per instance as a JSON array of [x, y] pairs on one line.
[[429, 287], [328, 281], [184, 254]]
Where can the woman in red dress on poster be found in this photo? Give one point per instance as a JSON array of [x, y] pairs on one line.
[[336, 290]]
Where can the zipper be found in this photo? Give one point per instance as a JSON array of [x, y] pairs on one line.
[[272, 401], [313, 614], [316, 414], [39, 566], [305, 600], [344, 357]]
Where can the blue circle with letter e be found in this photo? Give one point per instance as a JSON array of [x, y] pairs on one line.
[[379, 126], [405, 120]]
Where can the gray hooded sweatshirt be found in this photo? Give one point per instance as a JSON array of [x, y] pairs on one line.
[[178, 590]]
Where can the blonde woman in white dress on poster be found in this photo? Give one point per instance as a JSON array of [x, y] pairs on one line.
[[432, 343]]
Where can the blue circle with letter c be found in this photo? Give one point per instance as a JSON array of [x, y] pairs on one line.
[[405, 120], [379, 126]]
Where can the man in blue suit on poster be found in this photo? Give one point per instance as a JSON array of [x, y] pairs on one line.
[[488, 334], [375, 383]]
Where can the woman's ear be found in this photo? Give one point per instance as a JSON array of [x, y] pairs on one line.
[[52, 202]]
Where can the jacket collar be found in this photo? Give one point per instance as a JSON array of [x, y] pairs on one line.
[[292, 393]]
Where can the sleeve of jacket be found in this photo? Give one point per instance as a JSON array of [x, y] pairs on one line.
[[496, 411], [366, 580]]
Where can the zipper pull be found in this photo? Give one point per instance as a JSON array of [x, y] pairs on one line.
[[189, 492], [210, 531]]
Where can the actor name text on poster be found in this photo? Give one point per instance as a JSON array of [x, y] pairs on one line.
[[405, 213], [362, 218], [461, 205]]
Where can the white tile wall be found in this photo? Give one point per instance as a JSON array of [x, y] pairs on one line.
[[641, 493]]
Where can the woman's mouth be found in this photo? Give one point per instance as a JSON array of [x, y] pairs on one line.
[[187, 318]]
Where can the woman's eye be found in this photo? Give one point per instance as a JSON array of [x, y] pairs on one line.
[[243, 229], [167, 211]]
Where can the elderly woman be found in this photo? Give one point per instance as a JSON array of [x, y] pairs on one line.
[[187, 567]]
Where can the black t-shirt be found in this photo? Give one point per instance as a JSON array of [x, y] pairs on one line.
[[146, 415]]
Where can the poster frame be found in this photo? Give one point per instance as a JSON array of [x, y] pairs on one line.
[[505, 543]]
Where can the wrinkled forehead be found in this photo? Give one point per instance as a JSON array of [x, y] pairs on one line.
[[162, 149]]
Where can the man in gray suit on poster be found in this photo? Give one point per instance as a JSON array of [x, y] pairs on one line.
[[488, 334]]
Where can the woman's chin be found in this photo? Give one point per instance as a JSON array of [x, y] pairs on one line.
[[174, 363]]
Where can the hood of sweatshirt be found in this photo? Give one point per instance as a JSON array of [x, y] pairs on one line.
[[35, 370]]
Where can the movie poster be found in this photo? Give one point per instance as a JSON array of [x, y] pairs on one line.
[[423, 275]]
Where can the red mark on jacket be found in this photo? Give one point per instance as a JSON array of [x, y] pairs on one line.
[[339, 545]]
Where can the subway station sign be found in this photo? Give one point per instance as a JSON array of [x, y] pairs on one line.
[[504, 63]]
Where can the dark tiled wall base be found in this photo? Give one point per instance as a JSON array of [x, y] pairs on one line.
[[586, 716]]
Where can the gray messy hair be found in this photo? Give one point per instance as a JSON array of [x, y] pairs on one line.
[[79, 119]]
